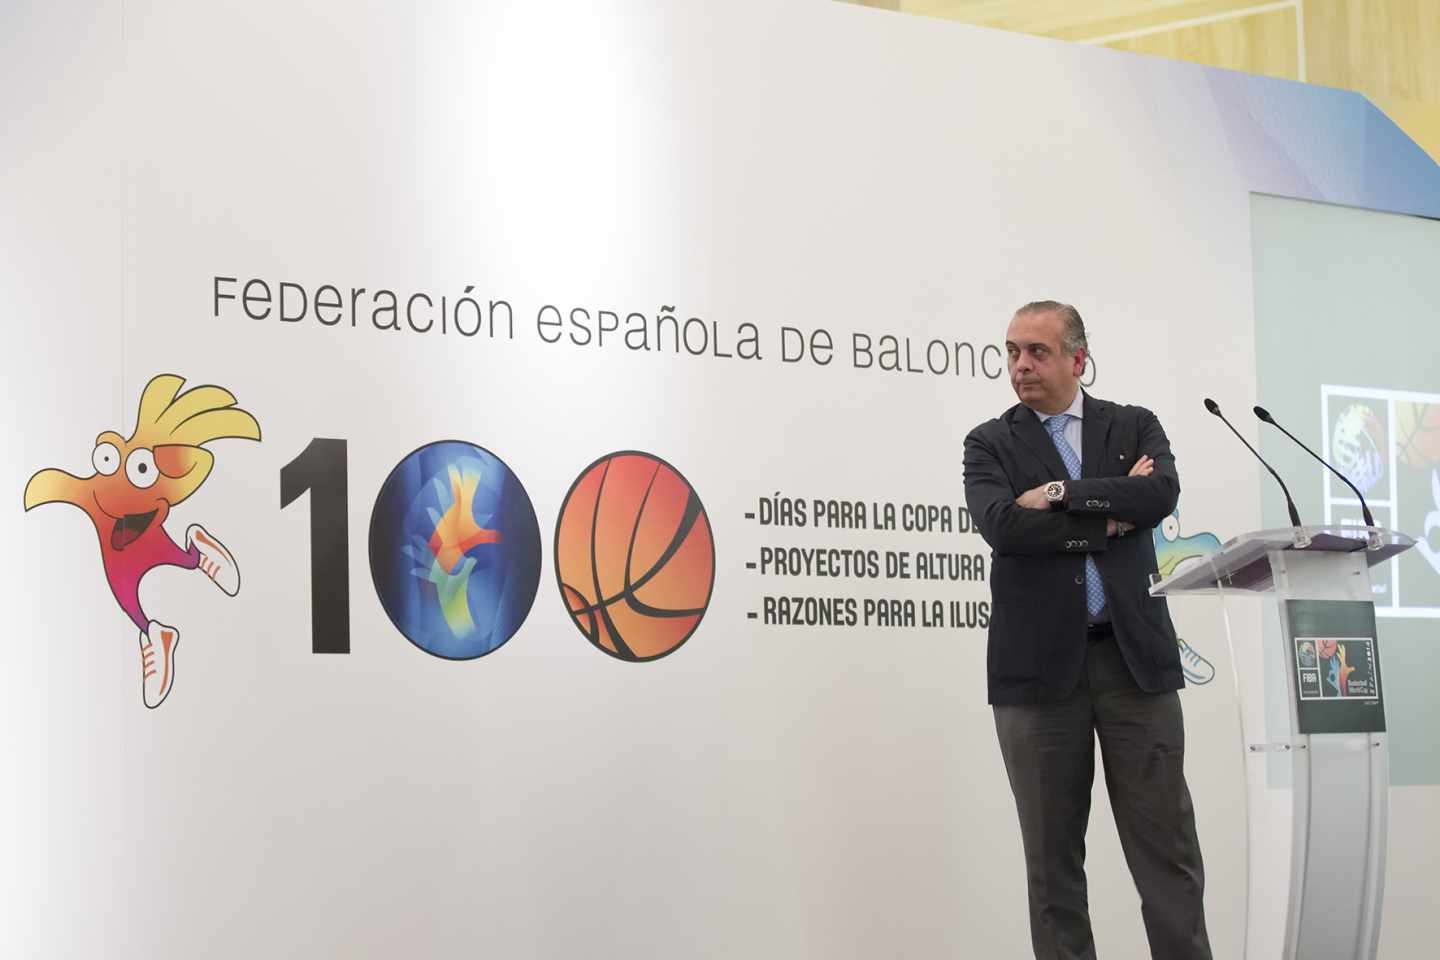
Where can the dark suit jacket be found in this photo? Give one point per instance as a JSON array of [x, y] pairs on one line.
[[1037, 575]]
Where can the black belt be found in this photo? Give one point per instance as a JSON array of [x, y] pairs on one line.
[[1096, 632]]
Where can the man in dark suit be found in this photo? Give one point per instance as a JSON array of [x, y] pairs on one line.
[[1065, 488]]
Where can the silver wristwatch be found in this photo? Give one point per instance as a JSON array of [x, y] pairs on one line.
[[1055, 494]]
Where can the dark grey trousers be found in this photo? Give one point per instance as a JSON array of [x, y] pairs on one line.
[[1049, 752]]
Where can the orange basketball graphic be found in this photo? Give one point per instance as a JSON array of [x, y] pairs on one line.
[[1417, 433], [634, 556]]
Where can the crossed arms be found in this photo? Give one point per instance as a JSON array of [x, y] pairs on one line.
[[1096, 507]]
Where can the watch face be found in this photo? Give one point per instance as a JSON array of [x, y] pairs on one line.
[[1054, 491]]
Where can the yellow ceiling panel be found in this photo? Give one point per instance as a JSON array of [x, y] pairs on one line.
[[1076, 19], [1386, 49], [1265, 43]]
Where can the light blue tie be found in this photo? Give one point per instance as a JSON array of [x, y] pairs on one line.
[[1094, 589]]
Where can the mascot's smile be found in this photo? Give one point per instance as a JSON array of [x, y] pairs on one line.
[[128, 528]]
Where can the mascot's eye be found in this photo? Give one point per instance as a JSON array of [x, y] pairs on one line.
[[106, 459], [1170, 528], [140, 468]]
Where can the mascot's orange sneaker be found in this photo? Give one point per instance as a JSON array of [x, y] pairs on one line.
[[157, 662], [215, 561]]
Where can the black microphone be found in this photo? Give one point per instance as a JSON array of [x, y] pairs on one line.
[[1214, 408], [1264, 415]]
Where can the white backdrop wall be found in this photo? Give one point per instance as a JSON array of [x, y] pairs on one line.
[[766, 790]]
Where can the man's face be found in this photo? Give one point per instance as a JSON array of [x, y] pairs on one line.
[[1044, 378]]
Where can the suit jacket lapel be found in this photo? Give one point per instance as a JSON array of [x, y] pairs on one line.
[[1094, 434], [1032, 436]]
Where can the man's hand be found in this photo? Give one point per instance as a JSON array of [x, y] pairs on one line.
[[1034, 499], [1143, 467]]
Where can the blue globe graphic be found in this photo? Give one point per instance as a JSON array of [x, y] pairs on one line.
[[454, 550]]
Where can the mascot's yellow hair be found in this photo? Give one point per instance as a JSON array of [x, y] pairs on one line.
[[175, 424], [192, 418]]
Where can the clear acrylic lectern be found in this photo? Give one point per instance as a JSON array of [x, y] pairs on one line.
[[1319, 578]]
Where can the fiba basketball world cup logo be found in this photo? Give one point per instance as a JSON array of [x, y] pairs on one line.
[[634, 556], [455, 550]]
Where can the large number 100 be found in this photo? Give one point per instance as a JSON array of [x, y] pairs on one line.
[[460, 585]]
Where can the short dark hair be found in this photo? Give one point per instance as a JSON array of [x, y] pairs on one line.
[[1073, 337]]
